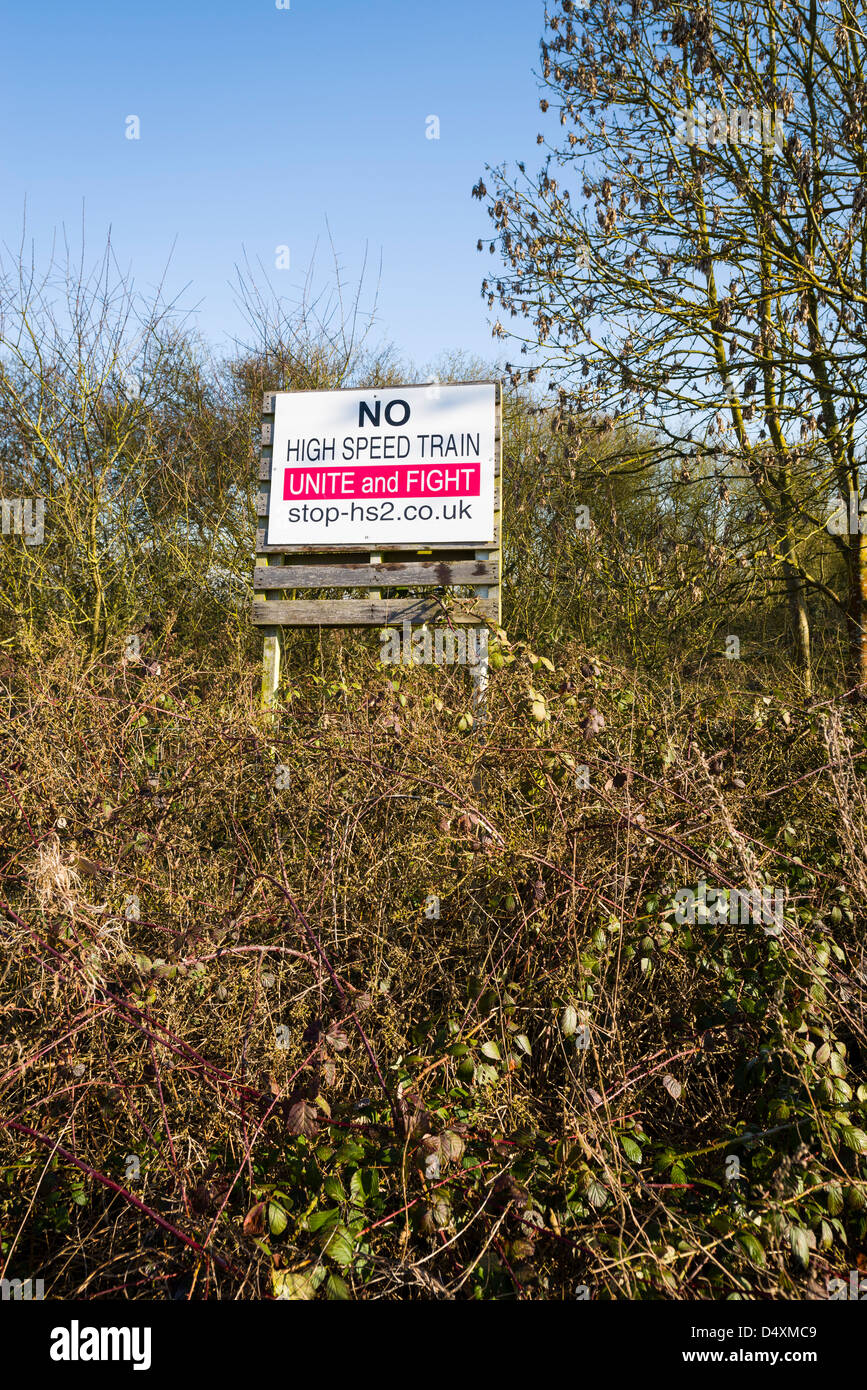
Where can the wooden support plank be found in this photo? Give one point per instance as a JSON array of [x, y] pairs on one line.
[[370, 613], [362, 557], [396, 574]]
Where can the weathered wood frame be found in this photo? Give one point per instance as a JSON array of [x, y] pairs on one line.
[[344, 566]]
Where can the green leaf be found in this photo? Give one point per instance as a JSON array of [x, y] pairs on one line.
[[277, 1219], [838, 1064], [799, 1241], [333, 1188], [523, 1042], [339, 1244], [452, 1146], [297, 1287], [320, 1220], [491, 1050], [630, 1148], [337, 1288], [350, 1152], [854, 1138], [834, 1198], [363, 1185], [597, 1193], [750, 1242]]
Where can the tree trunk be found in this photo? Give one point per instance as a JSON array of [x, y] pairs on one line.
[[800, 620], [856, 614]]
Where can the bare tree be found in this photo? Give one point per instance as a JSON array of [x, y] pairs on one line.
[[701, 263]]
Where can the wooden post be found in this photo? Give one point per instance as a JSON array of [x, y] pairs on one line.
[[272, 652], [272, 649], [376, 559], [480, 670]]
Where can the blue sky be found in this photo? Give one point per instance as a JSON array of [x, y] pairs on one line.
[[263, 127]]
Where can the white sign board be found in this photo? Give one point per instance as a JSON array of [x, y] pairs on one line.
[[407, 465]]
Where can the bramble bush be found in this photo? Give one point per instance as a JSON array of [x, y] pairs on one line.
[[347, 1003]]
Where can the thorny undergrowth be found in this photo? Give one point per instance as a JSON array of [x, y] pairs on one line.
[[350, 1004]]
